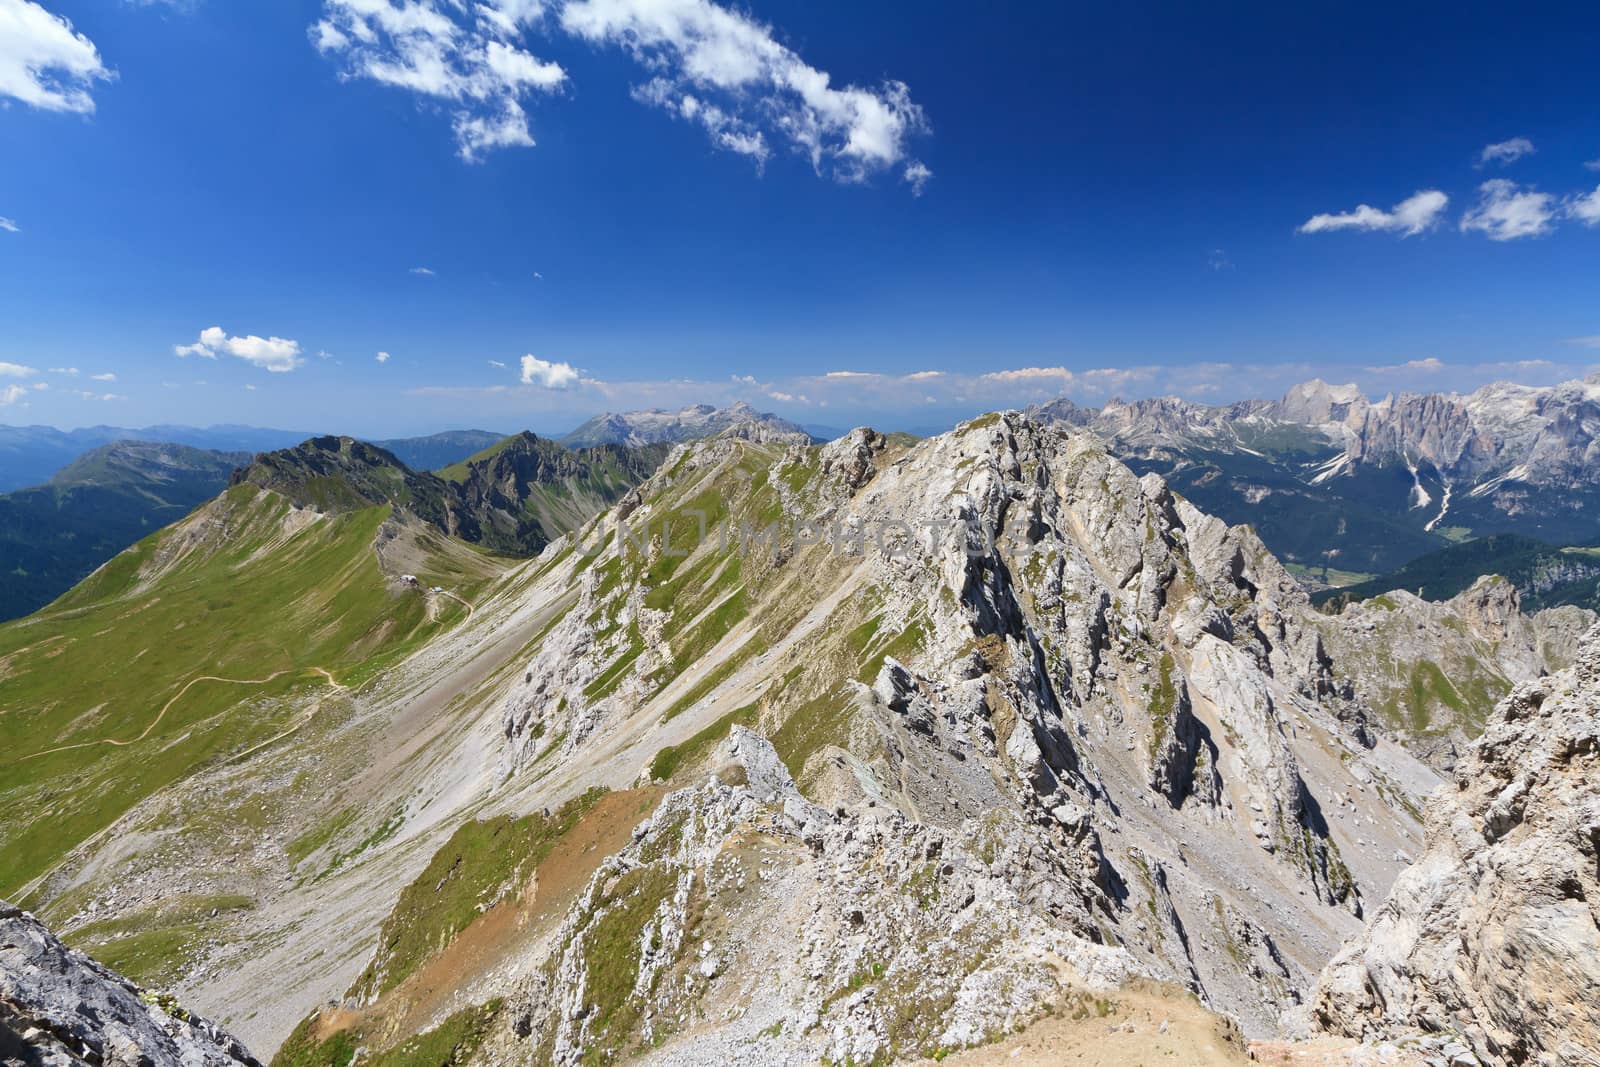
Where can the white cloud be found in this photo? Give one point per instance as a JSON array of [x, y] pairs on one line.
[[461, 53], [1585, 342], [106, 377], [70, 372], [1585, 207], [9, 226], [10, 394], [1028, 374], [728, 73], [382, 357], [1593, 164], [423, 271], [16, 370], [495, 363], [918, 175], [1505, 212], [536, 371], [1413, 215], [1504, 152], [1430, 365], [278, 355], [43, 62]]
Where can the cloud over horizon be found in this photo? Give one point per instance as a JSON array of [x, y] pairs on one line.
[[277, 355]]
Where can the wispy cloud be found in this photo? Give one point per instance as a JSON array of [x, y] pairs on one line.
[[422, 271], [1585, 207], [1413, 215], [382, 357], [278, 355], [1218, 260], [44, 62], [1585, 342], [1430, 365], [1506, 212], [706, 64], [729, 73], [536, 371], [106, 377], [16, 370], [8, 225], [462, 54], [1504, 152], [10, 394], [918, 175]]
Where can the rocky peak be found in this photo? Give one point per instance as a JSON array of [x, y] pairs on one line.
[[1495, 932], [59, 1008]]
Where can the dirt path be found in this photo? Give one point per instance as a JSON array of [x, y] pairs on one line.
[[180, 695], [1144, 1023], [463, 601]]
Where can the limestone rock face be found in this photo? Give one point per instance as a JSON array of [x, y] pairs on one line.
[[1435, 670], [860, 937], [58, 1008], [1495, 932]]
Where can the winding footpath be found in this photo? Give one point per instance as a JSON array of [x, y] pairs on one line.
[[179, 696]]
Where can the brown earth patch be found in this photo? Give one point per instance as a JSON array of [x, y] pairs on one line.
[[505, 932]]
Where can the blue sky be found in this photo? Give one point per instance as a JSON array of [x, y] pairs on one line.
[[841, 212]]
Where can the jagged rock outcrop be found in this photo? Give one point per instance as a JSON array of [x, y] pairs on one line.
[[1433, 671], [1495, 932], [859, 937], [1003, 618], [59, 1008]]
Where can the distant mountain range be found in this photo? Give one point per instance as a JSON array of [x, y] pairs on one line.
[[1338, 483], [656, 426], [53, 535], [31, 455]]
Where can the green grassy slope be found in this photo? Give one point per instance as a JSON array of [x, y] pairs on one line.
[[247, 590]]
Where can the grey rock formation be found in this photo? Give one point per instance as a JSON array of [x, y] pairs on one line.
[[1433, 671], [1495, 932], [58, 1008]]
